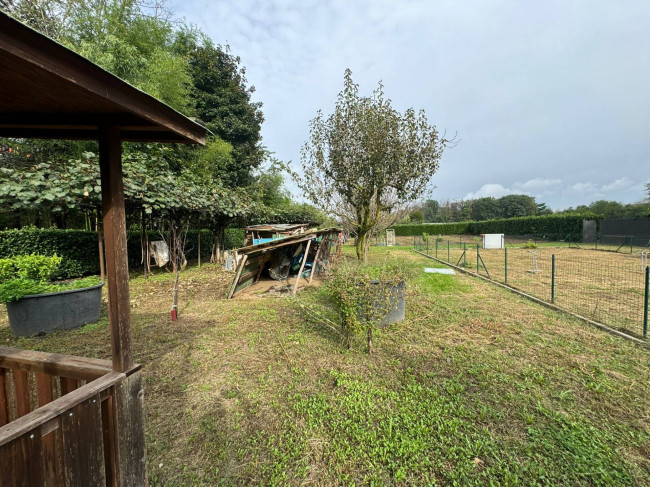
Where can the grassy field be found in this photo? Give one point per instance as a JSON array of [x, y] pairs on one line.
[[476, 387], [607, 287]]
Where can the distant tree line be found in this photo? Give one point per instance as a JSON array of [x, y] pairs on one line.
[[519, 205]]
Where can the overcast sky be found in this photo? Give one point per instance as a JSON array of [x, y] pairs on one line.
[[549, 98]]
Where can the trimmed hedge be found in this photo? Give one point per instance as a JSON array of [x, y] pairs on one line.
[[79, 250], [455, 228], [553, 227]]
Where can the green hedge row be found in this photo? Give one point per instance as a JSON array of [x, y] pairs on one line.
[[79, 250], [553, 227], [456, 228]]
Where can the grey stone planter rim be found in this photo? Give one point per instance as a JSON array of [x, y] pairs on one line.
[[68, 291]]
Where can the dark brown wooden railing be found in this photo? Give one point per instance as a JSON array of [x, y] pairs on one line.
[[61, 419]]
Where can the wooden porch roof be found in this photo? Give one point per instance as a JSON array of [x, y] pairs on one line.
[[49, 91]]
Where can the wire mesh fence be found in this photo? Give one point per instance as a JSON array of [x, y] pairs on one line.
[[607, 287]]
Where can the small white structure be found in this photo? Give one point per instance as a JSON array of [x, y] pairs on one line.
[[390, 237], [493, 240]]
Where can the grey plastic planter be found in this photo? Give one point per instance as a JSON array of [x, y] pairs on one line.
[[43, 313]]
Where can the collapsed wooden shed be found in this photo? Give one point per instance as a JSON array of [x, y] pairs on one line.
[[72, 420], [256, 234], [301, 256]]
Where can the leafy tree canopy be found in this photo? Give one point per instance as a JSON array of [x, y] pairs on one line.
[[366, 162]]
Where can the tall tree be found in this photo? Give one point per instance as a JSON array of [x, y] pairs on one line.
[[221, 99], [486, 209], [366, 160], [513, 205], [430, 210]]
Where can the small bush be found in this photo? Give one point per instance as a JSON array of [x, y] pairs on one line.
[[7, 270], [35, 267], [363, 296], [14, 289], [530, 245]]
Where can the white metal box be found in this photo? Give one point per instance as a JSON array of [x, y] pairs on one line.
[[493, 240]]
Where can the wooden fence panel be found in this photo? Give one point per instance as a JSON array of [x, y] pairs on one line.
[[21, 392], [4, 403], [83, 444], [20, 463]]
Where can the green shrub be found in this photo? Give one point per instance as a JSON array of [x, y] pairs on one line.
[[411, 230], [552, 227], [363, 296], [7, 270], [35, 267], [79, 250], [530, 245], [14, 289], [234, 238]]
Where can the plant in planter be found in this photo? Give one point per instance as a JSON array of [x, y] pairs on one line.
[[366, 297], [36, 306]]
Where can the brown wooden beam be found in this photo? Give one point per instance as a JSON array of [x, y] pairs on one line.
[[302, 266], [117, 269]]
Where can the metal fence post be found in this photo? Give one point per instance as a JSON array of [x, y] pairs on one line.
[[477, 258], [414, 243], [465, 255], [553, 278], [448, 259], [506, 266], [645, 302], [631, 240], [427, 244], [436, 247]]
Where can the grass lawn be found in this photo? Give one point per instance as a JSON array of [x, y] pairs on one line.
[[476, 387]]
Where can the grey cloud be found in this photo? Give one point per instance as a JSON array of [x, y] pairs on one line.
[[539, 92]]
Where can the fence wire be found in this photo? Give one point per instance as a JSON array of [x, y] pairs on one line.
[[607, 287]]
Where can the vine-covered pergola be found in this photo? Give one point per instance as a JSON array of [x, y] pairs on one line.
[[72, 420]]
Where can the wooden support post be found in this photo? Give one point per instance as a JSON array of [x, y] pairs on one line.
[[100, 244], [236, 280], [129, 411], [318, 252], [117, 269], [302, 266]]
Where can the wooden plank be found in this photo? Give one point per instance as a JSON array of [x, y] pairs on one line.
[[235, 281], [68, 385], [315, 263], [44, 391], [129, 414], [302, 266], [109, 432], [52, 454], [83, 444], [54, 363], [22, 463], [42, 415], [4, 403], [21, 392], [117, 268]]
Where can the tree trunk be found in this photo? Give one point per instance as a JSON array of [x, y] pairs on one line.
[[174, 255], [361, 246], [144, 244], [369, 339]]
